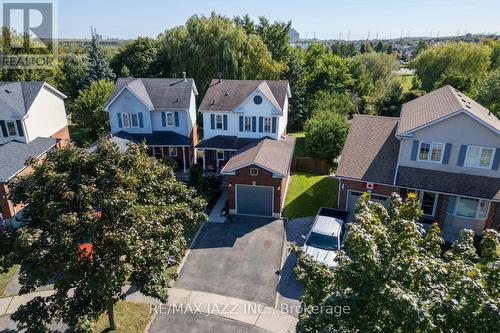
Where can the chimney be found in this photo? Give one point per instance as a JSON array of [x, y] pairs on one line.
[[184, 76]]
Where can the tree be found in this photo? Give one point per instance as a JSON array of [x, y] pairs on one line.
[[140, 57], [97, 222], [461, 65], [366, 47], [394, 277], [73, 69], [98, 63], [339, 103], [325, 135], [380, 47], [489, 92], [298, 112], [88, 108], [276, 36]]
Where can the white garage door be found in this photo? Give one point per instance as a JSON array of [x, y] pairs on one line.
[[254, 200], [353, 197]]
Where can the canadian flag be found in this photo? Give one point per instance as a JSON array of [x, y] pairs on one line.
[[370, 186]]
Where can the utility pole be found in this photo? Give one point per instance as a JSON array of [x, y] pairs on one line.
[[349, 35], [368, 34]]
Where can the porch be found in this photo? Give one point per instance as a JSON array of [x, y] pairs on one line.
[[182, 156]]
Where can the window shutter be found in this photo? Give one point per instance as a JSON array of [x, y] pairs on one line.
[[241, 123], [254, 124], [461, 156], [4, 128], [141, 120], [164, 119], [447, 151], [225, 122], [176, 116], [414, 150], [261, 124], [496, 160], [20, 130], [274, 124], [119, 119], [212, 121]]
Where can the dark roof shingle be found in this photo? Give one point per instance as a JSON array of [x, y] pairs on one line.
[[225, 142], [166, 138], [371, 150], [20, 95]]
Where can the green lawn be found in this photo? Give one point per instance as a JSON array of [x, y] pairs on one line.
[[308, 192], [130, 317], [5, 279], [80, 136], [300, 144]]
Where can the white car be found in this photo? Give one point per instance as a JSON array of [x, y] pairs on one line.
[[326, 236]]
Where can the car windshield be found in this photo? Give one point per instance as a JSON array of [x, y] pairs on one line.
[[324, 242]]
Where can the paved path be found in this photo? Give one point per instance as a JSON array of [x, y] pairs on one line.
[[215, 216]]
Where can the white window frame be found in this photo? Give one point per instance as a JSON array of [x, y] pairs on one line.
[[14, 127], [127, 118], [478, 160], [245, 118], [421, 197], [431, 149], [223, 155], [170, 119], [155, 150], [265, 120], [134, 117], [476, 217], [172, 151], [254, 172], [219, 122]]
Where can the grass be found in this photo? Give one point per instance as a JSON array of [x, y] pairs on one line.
[[300, 145], [5, 279], [307, 193], [80, 136], [130, 317]]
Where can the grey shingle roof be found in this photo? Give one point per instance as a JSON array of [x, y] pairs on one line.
[[14, 155], [438, 104], [158, 94], [227, 95], [166, 138], [448, 182], [273, 155], [371, 150], [225, 142], [20, 95]]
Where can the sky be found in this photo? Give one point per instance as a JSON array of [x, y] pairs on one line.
[[324, 19]]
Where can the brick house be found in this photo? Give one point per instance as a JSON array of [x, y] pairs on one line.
[[245, 142], [159, 112], [32, 122], [444, 147]]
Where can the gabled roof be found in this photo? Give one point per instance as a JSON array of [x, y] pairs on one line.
[[371, 150], [227, 95], [272, 155], [439, 104], [21, 95], [14, 155], [157, 94]]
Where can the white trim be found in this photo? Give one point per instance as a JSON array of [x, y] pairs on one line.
[[184, 158], [481, 148], [436, 200], [217, 122], [236, 199], [166, 119], [356, 191], [454, 214], [431, 149], [130, 90], [230, 171], [245, 125], [274, 103], [54, 90], [398, 162]]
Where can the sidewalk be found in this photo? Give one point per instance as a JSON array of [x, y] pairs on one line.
[[219, 206]]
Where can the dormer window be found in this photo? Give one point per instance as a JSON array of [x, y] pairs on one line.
[[479, 157], [431, 152], [257, 100]]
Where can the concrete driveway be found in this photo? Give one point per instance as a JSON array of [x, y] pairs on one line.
[[239, 258]]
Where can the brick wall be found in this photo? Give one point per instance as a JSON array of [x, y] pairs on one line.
[[493, 221], [63, 136], [5, 205], [265, 178], [346, 185], [441, 209]]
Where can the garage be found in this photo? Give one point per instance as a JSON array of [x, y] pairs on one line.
[[254, 200], [353, 197]]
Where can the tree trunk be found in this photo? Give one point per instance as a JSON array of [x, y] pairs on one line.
[[111, 317]]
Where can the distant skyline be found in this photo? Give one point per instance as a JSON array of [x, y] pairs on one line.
[[321, 18]]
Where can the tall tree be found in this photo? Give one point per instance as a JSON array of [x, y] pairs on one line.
[[73, 68], [489, 92], [97, 222], [276, 36], [296, 77], [394, 277], [98, 63], [140, 57]]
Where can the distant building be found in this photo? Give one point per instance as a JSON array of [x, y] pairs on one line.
[[294, 36]]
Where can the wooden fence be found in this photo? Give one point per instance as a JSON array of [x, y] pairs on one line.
[[311, 165]]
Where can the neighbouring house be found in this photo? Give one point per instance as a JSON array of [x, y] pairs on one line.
[[245, 141], [32, 122], [159, 112], [445, 147]]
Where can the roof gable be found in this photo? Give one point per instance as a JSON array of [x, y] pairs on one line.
[[20, 96]]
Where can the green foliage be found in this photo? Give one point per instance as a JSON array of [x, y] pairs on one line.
[[394, 277], [295, 75], [144, 212], [344, 49], [138, 58], [207, 184], [366, 47], [461, 65], [73, 69], [325, 135], [88, 108], [98, 63], [488, 93], [340, 103]]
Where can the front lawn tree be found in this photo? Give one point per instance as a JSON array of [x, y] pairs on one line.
[[325, 134], [99, 221], [394, 277]]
